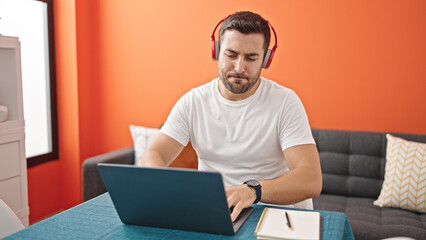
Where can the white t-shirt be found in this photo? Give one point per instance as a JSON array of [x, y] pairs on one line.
[[243, 140]]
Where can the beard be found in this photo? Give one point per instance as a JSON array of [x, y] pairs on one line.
[[241, 84]]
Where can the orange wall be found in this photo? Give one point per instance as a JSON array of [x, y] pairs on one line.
[[357, 65], [56, 185]]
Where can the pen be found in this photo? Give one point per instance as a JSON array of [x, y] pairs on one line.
[[288, 221]]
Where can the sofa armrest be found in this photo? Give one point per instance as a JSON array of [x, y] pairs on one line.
[[92, 181]]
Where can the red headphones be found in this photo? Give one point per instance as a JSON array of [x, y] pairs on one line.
[[268, 56]]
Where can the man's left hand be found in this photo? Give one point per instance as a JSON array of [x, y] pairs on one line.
[[239, 197]]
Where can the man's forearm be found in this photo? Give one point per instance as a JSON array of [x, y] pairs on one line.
[[292, 187]]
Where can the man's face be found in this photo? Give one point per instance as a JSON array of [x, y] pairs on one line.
[[240, 62]]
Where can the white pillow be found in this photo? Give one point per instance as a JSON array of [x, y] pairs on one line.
[[405, 179], [142, 136]]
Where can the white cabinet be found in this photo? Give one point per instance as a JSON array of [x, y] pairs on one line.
[[13, 163]]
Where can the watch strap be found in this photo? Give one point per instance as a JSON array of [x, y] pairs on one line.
[[257, 189]]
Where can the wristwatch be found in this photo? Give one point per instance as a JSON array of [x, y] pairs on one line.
[[256, 186]]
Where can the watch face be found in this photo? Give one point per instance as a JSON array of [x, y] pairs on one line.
[[253, 183]]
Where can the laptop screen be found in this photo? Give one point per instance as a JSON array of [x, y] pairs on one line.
[[169, 198]]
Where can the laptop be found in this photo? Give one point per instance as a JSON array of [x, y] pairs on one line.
[[170, 198]]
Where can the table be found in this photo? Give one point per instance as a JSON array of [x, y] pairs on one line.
[[97, 219]]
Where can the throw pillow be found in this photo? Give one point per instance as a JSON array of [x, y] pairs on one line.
[[142, 136], [405, 175]]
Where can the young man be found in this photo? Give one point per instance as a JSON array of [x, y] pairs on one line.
[[250, 129]]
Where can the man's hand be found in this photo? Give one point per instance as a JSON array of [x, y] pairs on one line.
[[239, 197]]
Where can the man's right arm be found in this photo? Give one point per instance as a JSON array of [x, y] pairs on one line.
[[160, 152]]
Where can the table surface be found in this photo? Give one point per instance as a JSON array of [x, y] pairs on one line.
[[97, 219]]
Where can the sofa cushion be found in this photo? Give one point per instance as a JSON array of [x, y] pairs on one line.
[[405, 176], [353, 162], [372, 222]]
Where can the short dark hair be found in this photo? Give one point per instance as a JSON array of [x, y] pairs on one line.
[[246, 22]]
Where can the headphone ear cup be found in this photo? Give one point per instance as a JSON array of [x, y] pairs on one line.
[[270, 55], [266, 59], [217, 49], [213, 43]]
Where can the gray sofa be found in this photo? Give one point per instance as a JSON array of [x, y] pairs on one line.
[[353, 165]]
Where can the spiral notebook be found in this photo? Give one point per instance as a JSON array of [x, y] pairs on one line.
[[273, 224]]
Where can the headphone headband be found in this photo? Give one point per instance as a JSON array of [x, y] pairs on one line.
[[268, 55]]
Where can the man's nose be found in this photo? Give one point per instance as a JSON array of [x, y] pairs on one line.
[[239, 65]]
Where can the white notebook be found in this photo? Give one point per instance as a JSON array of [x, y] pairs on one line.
[[273, 225]]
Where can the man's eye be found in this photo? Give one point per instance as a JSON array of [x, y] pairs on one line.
[[230, 55], [252, 59]]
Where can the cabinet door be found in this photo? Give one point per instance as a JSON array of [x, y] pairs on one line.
[[10, 193], [9, 156]]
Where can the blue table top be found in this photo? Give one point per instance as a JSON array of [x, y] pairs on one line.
[[97, 219]]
